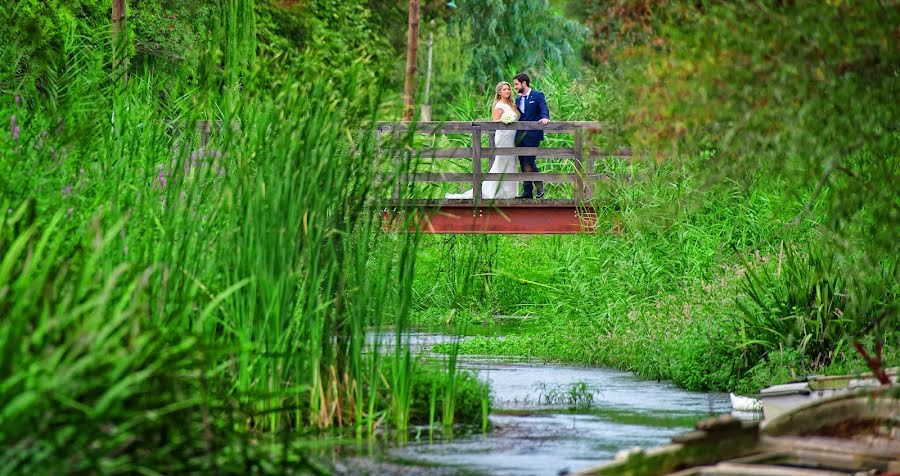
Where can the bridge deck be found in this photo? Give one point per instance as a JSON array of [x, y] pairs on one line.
[[494, 216]]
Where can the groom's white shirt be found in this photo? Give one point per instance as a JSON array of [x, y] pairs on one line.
[[522, 100]]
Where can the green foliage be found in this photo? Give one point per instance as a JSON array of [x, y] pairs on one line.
[[616, 26], [802, 310], [573, 395], [34, 31], [803, 90], [433, 384], [169, 34], [520, 34], [166, 35], [451, 57], [189, 40], [330, 37]]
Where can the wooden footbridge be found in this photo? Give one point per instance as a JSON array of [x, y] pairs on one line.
[[515, 216]]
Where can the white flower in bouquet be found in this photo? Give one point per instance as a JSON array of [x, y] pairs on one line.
[[508, 117]]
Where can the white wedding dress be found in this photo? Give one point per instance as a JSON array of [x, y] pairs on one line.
[[503, 164]]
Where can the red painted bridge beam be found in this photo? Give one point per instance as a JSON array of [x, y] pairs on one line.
[[466, 219]]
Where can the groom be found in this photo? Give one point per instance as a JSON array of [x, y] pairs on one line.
[[533, 107]]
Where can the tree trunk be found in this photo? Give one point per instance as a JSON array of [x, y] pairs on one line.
[[426, 104], [119, 34], [412, 52]]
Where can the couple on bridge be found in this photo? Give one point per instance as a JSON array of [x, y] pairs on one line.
[[530, 105]]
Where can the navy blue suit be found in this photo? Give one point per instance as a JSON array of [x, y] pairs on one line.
[[535, 109]]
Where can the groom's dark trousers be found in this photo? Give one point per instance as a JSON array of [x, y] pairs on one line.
[[535, 109]]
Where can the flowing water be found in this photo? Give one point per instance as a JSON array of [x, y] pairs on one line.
[[549, 419]]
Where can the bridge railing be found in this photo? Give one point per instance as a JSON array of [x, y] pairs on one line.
[[583, 156]]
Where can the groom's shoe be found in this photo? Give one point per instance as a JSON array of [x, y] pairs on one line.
[[524, 197], [539, 194]]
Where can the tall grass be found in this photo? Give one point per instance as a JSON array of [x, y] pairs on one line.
[[170, 304]]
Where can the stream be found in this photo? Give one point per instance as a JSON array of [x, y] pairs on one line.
[[550, 419]]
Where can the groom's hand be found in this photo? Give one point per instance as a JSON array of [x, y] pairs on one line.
[[544, 121]]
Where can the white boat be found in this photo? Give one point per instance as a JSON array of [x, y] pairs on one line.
[[779, 399], [744, 404]]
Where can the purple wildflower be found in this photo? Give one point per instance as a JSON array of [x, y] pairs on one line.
[[40, 139], [13, 127], [162, 178], [18, 100], [53, 154], [59, 124], [218, 168], [66, 191]]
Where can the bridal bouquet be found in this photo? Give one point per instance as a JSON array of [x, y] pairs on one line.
[[508, 117]]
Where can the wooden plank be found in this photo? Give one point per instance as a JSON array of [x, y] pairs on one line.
[[466, 152], [540, 152], [812, 459], [491, 144], [512, 177], [885, 449], [739, 469], [554, 127], [549, 152], [449, 127], [476, 165], [579, 168], [458, 203]]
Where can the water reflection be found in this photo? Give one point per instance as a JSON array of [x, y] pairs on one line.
[[550, 418]]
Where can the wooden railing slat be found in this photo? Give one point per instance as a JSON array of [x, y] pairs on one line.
[[540, 152], [579, 167], [512, 177], [476, 165], [466, 152], [579, 153], [488, 126]]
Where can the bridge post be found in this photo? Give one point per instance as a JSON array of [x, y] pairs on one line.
[[491, 144], [579, 168], [476, 165]]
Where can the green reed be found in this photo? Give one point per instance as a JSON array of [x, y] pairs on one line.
[[174, 303]]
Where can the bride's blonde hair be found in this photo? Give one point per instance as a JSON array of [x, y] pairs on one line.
[[509, 101]]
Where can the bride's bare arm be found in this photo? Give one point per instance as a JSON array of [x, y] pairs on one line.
[[497, 113]]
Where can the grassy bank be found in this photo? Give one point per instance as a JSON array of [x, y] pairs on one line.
[[711, 286]]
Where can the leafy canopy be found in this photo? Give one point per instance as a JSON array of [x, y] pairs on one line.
[[517, 34]]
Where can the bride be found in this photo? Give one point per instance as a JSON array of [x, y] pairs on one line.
[[503, 164]]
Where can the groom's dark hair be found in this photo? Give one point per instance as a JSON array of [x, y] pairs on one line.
[[523, 78]]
